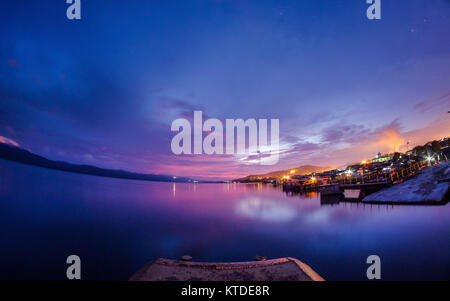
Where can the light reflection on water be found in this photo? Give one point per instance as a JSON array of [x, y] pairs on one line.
[[265, 210], [116, 226]]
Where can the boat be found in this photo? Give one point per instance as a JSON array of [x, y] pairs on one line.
[[280, 269], [331, 190]]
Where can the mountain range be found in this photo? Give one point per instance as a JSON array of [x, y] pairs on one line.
[[301, 170], [13, 153]]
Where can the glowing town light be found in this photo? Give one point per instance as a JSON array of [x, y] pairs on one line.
[[364, 162], [288, 177], [292, 171]]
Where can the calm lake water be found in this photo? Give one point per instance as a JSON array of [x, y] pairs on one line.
[[116, 226]]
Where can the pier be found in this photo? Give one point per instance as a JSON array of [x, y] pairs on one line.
[[280, 269], [365, 183]]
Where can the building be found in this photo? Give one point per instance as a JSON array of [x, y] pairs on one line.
[[380, 158]]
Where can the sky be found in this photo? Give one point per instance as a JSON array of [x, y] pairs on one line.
[[105, 89]]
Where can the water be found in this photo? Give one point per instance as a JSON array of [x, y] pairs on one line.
[[116, 226]]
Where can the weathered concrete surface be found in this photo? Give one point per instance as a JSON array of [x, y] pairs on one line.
[[428, 187], [282, 269]]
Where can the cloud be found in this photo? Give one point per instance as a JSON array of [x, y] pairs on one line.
[[110, 101], [427, 105], [347, 133], [390, 139]]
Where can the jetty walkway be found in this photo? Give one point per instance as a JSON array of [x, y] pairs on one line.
[[367, 183], [281, 269]]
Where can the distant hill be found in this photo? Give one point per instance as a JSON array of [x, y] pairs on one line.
[[13, 153], [301, 170]]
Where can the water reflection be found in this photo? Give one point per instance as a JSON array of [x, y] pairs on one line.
[[118, 225], [265, 210], [174, 189]]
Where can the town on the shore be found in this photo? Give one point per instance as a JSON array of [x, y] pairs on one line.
[[358, 180]]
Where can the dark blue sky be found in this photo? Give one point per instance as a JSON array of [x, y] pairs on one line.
[[104, 90]]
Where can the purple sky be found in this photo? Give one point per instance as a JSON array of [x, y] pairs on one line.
[[105, 90]]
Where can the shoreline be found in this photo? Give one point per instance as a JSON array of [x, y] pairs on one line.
[[429, 187]]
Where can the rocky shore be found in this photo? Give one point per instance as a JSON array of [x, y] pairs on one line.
[[431, 186]]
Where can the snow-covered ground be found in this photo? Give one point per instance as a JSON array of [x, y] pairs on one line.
[[422, 188]]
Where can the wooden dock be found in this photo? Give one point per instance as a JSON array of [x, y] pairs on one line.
[[366, 183], [281, 269]]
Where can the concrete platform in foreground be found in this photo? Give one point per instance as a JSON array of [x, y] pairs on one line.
[[281, 269]]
